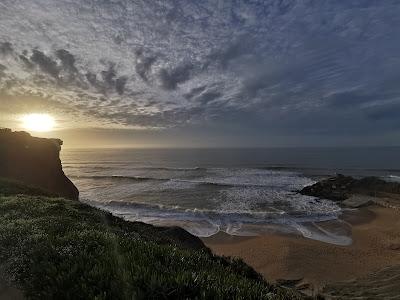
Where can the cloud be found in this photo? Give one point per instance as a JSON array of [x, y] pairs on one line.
[[170, 78], [194, 92], [109, 76], [2, 71], [276, 67], [67, 60], [5, 48], [27, 63], [386, 112], [45, 63], [143, 64], [208, 96], [236, 49], [120, 84]]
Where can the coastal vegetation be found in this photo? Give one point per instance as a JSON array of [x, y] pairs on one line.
[[56, 248]]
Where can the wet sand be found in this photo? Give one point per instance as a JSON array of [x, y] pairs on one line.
[[376, 244]]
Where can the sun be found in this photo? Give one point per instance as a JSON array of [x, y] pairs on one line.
[[38, 122]]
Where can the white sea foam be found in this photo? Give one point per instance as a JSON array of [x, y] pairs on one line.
[[204, 201], [204, 223], [392, 178]]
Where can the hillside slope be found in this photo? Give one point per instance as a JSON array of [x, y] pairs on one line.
[[55, 248]]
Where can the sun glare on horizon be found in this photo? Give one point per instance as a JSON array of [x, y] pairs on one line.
[[38, 122]]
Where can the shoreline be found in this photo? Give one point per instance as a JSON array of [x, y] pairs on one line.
[[314, 264]]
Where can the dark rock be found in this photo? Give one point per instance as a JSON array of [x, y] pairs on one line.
[[34, 161], [371, 186], [183, 237]]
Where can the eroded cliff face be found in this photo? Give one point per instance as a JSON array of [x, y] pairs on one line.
[[34, 161]]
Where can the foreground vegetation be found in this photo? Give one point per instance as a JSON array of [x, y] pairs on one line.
[[54, 248]]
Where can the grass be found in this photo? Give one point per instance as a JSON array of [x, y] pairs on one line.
[[54, 248]]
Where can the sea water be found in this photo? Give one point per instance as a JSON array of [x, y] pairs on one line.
[[236, 191]]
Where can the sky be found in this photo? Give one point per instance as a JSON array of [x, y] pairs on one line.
[[273, 73]]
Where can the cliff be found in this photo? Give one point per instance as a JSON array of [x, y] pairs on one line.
[[34, 161]]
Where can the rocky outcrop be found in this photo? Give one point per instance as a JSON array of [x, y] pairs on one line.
[[340, 187], [336, 188], [34, 161]]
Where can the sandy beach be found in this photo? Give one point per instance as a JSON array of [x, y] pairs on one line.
[[376, 245]]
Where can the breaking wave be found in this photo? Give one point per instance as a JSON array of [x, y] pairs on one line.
[[207, 222], [205, 201], [392, 178]]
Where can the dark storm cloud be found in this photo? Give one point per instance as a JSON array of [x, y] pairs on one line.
[[45, 63], [170, 78], [120, 84], [253, 67], [92, 78], [143, 64], [67, 60], [108, 81], [109, 76]]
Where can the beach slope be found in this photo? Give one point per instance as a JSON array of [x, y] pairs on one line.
[[341, 271]]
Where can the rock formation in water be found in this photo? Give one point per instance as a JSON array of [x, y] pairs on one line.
[[340, 187], [34, 161]]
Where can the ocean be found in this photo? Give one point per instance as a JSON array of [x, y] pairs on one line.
[[237, 191]]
